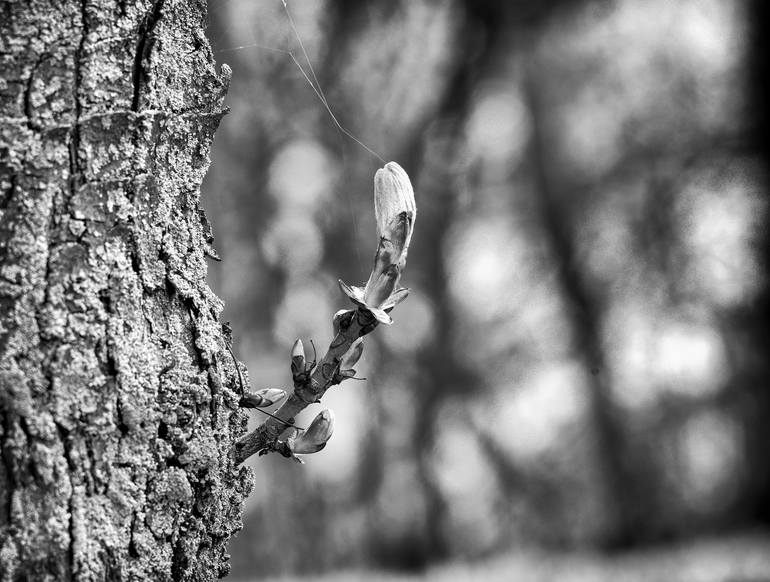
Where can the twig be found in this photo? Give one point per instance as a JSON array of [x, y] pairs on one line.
[[323, 377], [395, 211]]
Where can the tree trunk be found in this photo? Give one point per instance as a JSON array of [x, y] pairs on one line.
[[618, 485], [118, 404]]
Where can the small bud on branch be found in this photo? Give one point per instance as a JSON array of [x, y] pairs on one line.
[[297, 358], [317, 434]]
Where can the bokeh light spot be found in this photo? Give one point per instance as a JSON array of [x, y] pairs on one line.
[[302, 175]]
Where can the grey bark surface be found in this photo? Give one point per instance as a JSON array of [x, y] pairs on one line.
[[118, 397]]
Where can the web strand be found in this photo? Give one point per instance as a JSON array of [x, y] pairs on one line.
[[301, 60], [316, 85], [312, 78], [253, 45]]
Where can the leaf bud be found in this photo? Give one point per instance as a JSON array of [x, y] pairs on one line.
[[297, 358], [394, 208], [317, 434], [396, 211]]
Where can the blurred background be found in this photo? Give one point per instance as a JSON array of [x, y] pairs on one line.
[[577, 386]]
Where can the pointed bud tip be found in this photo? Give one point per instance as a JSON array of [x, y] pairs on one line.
[[297, 358], [397, 172], [393, 193]]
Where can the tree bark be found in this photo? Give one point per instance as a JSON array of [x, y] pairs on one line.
[[118, 404]]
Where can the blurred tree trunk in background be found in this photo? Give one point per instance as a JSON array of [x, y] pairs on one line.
[[117, 403], [756, 316], [442, 376], [584, 313]]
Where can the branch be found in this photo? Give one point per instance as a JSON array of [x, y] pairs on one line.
[[395, 211]]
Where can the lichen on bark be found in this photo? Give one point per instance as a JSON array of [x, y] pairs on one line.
[[118, 397]]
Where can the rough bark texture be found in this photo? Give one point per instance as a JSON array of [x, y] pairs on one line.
[[118, 404]]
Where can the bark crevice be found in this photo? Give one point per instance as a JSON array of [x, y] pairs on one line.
[[28, 109], [64, 435], [143, 48]]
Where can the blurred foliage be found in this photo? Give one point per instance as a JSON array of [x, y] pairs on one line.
[[581, 362]]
